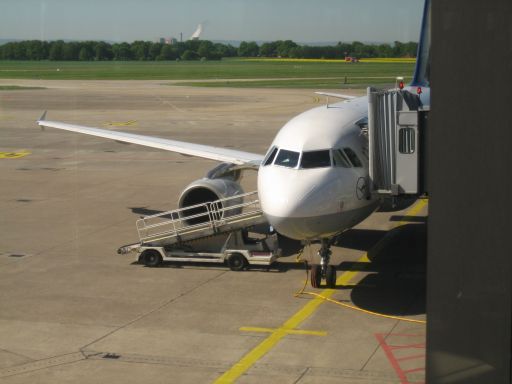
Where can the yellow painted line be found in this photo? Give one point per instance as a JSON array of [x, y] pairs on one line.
[[414, 210], [13, 155], [291, 331], [293, 322], [307, 333], [120, 123]]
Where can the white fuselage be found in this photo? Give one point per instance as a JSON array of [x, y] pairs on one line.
[[314, 181]]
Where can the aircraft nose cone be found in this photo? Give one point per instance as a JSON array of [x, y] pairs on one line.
[[281, 192], [292, 203]]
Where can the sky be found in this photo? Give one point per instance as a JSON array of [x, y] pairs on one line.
[[251, 20]]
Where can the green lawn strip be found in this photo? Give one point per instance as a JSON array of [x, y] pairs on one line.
[[196, 70], [337, 83], [17, 88]]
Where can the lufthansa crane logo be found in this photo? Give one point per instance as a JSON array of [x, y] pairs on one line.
[[362, 188]]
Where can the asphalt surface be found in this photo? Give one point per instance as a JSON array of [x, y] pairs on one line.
[[71, 309]]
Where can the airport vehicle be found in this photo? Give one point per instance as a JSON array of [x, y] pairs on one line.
[[231, 231], [233, 249], [314, 181]]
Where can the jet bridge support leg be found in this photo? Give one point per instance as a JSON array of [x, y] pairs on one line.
[[324, 270]]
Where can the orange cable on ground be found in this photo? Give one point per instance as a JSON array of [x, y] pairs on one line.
[[303, 292]]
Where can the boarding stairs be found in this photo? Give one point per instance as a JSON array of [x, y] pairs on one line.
[[198, 221]]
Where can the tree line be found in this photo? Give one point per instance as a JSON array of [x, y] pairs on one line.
[[194, 50]]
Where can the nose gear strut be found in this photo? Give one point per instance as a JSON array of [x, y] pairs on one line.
[[324, 270]]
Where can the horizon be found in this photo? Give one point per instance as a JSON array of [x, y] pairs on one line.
[[234, 43], [368, 21]]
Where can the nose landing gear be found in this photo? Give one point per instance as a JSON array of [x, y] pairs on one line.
[[324, 270]]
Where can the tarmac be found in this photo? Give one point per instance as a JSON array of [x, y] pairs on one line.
[[73, 310]]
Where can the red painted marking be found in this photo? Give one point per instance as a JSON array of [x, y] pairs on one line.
[[418, 346], [394, 361], [410, 357], [414, 370]]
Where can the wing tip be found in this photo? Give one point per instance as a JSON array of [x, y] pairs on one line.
[[43, 117], [337, 95]]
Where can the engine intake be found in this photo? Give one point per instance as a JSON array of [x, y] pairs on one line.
[[207, 191]]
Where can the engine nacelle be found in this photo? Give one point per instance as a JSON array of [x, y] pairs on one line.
[[206, 191]]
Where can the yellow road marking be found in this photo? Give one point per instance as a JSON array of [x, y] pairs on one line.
[[414, 210], [13, 155], [121, 123], [293, 322], [291, 331]]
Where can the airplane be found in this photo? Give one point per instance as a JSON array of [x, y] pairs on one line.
[[313, 182]]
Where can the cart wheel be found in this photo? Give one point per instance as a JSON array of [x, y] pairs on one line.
[[237, 262], [316, 275], [330, 276], [151, 258]]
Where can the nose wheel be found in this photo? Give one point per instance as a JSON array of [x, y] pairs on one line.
[[324, 270], [330, 276], [317, 275]]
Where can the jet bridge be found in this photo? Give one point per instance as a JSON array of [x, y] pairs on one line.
[[397, 129]]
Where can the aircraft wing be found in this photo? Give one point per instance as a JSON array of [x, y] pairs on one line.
[[252, 160], [338, 95]]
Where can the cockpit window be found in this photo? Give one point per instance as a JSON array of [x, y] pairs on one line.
[[316, 159], [340, 159], [287, 158], [270, 156], [353, 157]]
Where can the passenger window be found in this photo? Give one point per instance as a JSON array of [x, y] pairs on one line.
[[353, 157], [316, 159], [339, 158], [270, 156], [287, 158], [406, 140]]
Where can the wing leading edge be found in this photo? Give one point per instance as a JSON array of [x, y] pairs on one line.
[[337, 95], [251, 160]]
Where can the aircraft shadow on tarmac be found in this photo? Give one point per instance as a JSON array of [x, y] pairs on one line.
[[395, 283], [396, 279], [388, 205], [143, 211]]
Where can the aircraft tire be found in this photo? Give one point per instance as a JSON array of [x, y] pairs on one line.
[[316, 275], [330, 276]]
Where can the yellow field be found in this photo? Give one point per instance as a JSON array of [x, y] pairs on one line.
[[372, 60], [389, 60]]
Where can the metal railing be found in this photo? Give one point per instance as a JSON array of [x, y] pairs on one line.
[[212, 215]]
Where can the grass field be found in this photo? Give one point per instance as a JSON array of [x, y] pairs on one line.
[[16, 88], [269, 73]]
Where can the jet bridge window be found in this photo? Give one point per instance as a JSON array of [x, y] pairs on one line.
[[406, 140], [353, 157], [270, 156], [287, 158], [340, 159], [316, 159]]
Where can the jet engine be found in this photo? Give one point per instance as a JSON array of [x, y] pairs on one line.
[[207, 190]]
